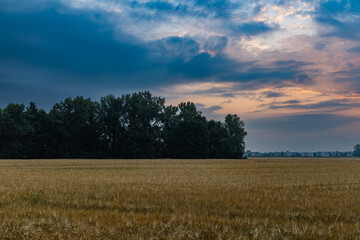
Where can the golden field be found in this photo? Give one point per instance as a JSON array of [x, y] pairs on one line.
[[180, 199]]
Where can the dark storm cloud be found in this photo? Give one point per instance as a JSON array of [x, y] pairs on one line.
[[71, 47], [66, 42], [26, 93], [340, 18]]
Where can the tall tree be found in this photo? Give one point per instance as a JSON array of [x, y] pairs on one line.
[[187, 134], [75, 127], [37, 140], [218, 139], [137, 125], [235, 136], [143, 114], [112, 124], [13, 131]]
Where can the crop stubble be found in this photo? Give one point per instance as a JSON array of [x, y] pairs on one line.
[[180, 199]]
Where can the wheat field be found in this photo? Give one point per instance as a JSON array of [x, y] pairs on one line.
[[180, 199]]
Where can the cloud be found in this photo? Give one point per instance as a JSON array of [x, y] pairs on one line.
[[160, 7], [217, 8], [303, 132], [216, 44], [354, 50], [67, 42], [226, 102], [174, 47], [292, 102], [258, 9], [306, 123], [271, 94], [209, 112], [337, 104], [319, 46], [27, 6], [253, 28], [73, 47], [351, 76], [340, 18]]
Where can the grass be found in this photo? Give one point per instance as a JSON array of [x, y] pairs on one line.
[[180, 199]]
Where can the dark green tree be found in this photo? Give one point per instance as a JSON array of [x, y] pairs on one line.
[[135, 125], [37, 140], [75, 128], [218, 139], [143, 115], [187, 133], [13, 131], [113, 125], [235, 136]]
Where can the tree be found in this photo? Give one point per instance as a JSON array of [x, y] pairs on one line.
[[112, 125], [218, 139], [14, 129], [187, 133], [37, 140], [143, 124], [137, 125], [235, 136], [356, 152], [75, 128]]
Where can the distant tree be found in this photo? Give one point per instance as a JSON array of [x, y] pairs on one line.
[[356, 152]]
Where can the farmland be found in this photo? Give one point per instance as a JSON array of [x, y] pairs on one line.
[[180, 199]]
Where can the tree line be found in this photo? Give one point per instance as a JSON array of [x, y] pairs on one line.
[[137, 125]]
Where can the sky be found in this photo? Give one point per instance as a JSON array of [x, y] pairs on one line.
[[290, 69]]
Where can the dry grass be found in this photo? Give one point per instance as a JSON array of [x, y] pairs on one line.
[[180, 199]]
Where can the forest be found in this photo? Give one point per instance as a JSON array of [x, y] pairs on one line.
[[137, 125]]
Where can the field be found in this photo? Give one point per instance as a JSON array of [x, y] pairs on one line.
[[180, 199]]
